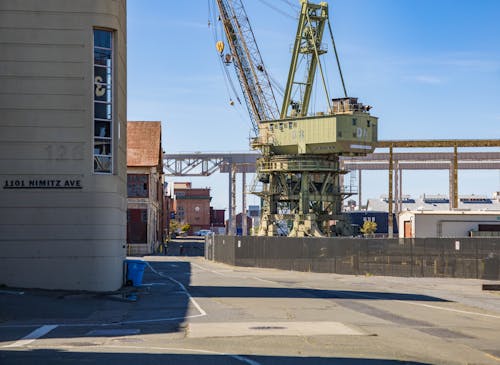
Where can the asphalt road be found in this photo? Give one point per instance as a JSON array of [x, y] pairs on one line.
[[191, 311]]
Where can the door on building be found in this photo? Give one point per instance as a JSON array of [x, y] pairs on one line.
[[408, 230]]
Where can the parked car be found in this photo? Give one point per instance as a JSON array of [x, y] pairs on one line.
[[203, 232]]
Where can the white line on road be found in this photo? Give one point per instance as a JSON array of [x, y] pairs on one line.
[[191, 299], [39, 332], [205, 269], [424, 305], [264, 280], [401, 301], [171, 350], [13, 292], [451, 309], [202, 312]]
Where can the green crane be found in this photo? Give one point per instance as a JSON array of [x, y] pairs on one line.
[[311, 26], [300, 167]]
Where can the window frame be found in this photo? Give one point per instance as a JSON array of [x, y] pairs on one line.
[[109, 101]]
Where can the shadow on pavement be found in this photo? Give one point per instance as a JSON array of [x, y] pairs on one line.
[[160, 305], [259, 292], [55, 357]]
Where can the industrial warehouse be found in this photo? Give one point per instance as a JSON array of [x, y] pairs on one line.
[[279, 192]]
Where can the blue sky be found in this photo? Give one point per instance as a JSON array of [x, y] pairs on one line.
[[429, 68]]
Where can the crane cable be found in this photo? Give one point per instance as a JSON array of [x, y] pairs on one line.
[[278, 10], [337, 57], [225, 72], [295, 8], [213, 20]]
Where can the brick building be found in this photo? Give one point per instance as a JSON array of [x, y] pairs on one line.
[[144, 187], [192, 206]]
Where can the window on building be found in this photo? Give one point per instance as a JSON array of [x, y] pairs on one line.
[[137, 185], [103, 101]]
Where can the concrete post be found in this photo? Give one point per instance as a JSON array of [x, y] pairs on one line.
[[455, 178], [360, 200], [230, 210], [244, 227], [233, 199], [390, 223], [400, 171], [396, 188]]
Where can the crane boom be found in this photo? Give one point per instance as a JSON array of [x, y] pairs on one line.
[[311, 25], [252, 75]]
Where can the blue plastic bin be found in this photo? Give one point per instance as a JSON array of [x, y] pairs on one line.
[[135, 271]]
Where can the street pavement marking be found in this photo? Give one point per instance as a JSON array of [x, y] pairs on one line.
[[209, 270], [234, 329], [31, 337], [202, 312], [425, 305], [13, 292], [492, 356], [173, 350], [264, 280], [183, 288], [450, 309]]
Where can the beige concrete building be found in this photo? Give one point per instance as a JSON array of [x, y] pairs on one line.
[[63, 143], [144, 187]]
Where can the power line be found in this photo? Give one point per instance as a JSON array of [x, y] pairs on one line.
[[278, 10]]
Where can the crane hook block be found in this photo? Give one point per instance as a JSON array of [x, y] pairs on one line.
[[220, 46]]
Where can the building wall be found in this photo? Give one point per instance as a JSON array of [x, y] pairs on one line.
[[192, 206], [70, 233], [217, 221], [152, 206], [381, 218], [445, 224]]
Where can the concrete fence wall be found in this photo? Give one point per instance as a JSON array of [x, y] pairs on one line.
[[419, 257]]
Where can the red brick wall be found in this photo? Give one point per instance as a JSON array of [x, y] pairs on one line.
[[193, 206]]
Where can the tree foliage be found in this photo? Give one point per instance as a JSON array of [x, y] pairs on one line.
[[369, 228], [173, 225]]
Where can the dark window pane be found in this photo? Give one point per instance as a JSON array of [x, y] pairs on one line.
[[102, 92], [102, 111], [102, 147], [102, 57], [102, 75], [102, 164], [102, 38], [137, 185], [102, 129]]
